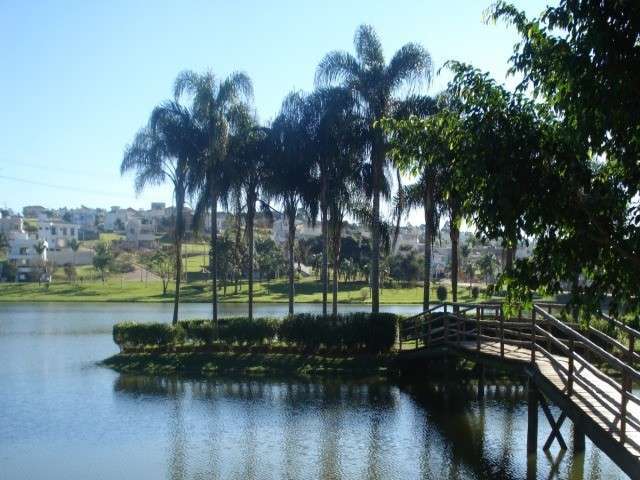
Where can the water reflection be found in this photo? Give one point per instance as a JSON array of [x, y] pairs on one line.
[[254, 428]]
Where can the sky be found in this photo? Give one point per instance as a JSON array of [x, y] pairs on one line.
[[80, 78]]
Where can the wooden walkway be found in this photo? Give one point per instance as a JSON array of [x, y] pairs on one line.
[[582, 370]]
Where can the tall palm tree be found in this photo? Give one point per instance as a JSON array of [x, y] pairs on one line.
[[249, 150], [213, 101], [375, 82], [288, 171], [165, 150], [324, 122]]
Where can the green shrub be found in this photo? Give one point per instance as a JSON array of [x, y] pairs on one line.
[[475, 292], [244, 331], [199, 331], [490, 290], [354, 331], [131, 334], [441, 293]]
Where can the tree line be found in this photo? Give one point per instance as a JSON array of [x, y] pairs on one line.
[[554, 161]]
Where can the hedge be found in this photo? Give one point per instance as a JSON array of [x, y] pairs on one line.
[[354, 331], [131, 334]]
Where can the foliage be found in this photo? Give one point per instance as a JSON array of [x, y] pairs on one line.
[[131, 334], [162, 263], [581, 59], [103, 258], [406, 265], [475, 292], [70, 271], [269, 258], [441, 293], [356, 331]]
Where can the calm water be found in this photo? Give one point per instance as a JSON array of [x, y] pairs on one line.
[[63, 417]]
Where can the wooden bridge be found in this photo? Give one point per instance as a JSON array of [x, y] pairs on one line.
[[583, 370]]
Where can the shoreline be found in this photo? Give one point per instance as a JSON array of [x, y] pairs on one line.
[[251, 363]]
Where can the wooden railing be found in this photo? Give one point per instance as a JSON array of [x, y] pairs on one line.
[[571, 349]]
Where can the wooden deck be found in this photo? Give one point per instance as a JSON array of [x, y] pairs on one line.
[[563, 364]]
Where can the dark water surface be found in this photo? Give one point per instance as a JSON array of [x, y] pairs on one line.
[[63, 417]]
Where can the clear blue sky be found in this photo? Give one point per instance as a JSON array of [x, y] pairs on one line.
[[80, 77]]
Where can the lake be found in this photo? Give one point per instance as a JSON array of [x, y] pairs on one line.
[[64, 417]]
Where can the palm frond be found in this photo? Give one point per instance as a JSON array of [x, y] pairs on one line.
[[337, 66], [368, 47], [408, 65]]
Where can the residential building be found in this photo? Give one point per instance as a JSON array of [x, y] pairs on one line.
[[141, 232], [25, 257], [11, 226], [117, 218], [57, 234]]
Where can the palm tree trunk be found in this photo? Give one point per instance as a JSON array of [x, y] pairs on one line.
[[179, 229], [336, 269], [250, 218], [324, 275], [213, 259], [290, 241], [454, 235], [378, 157], [428, 241], [236, 253]]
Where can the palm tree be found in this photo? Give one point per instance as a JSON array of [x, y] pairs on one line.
[[375, 83], [213, 103], [288, 171], [164, 150], [40, 247], [74, 245], [248, 150], [326, 118]]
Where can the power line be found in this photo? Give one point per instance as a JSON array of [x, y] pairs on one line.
[[62, 187], [85, 173]]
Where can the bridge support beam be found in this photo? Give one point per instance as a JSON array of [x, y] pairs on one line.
[[578, 439], [532, 424]]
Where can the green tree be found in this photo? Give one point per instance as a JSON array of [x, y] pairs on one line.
[[102, 259], [70, 272], [166, 149], [375, 83], [74, 245], [214, 102], [288, 171], [581, 59], [162, 263], [249, 151]]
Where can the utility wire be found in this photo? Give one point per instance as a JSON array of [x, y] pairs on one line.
[[62, 187]]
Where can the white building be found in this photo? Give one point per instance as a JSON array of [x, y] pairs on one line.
[[11, 226], [117, 218], [57, 234], [24, 255], [141, 232]]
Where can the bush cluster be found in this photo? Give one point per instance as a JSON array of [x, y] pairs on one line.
[[131, 334], [354, 331]]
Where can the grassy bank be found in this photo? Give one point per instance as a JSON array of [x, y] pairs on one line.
[[119, 290], [249, 363]]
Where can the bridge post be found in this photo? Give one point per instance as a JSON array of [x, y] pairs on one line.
[[501, 319], [533, 335], [571, 367], [532, 418], [578, 439], [478, 329]]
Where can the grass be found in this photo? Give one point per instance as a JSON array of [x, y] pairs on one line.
[[116, 290], [249, 363]]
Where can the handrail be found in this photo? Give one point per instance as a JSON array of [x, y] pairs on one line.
[[592, 346]]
